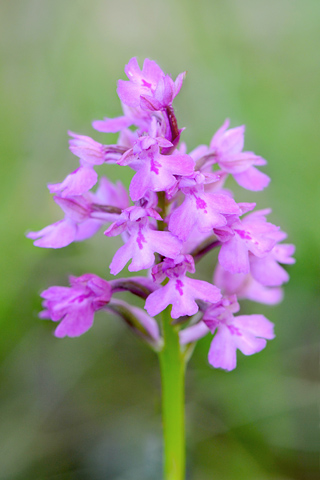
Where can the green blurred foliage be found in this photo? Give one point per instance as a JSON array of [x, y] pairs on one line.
[[89, 408]]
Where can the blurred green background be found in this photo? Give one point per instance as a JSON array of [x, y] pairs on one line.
[[89, 408]]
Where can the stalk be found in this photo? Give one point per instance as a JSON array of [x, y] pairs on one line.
[[172, 364]]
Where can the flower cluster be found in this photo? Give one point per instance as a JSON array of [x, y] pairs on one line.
[[177, 210]]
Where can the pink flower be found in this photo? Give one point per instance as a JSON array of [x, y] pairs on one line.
[[200, 209], [180, 291], [143, 241], [248, 333], [227, 145], [75, 306], [267, 271], [90, 153], [148, 88], [84, 215], [76, 183], [155, 172], [181, 212], [252, 234], [245, 286]]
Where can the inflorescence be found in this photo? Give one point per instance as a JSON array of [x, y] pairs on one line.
[[177, 210]]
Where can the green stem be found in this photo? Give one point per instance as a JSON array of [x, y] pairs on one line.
[[172, 364]]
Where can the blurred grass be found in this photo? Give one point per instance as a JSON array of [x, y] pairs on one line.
[[89, 408]]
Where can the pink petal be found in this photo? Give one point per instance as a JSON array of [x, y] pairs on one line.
[[57, 235], [258, 293], [252, 179], [183, 219], [267, 271], [151, 71], [222, 352], [202, 290], [129, 93], [158, 300], [140, 184], [76, 323], [164, 243], [112, 125], [233, 256], [77, 209], [218, 136], [178, 83], [77, 183], [121, 258], [257, 325], [193, 333], [87, 229], [248, 344], [283, 252], [132, 70]]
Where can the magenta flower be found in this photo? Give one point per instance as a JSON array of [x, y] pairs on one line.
[[155, 172], [144, 240], [246, 287], [180, 291], [76, 183], [227, 145], [75, 306], [90, 153], [252, 234], [200, 209], [248, 333], [84, 215], [267, 271], [148, 88]]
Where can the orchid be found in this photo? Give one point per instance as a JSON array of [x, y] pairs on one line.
[[176, 211]]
